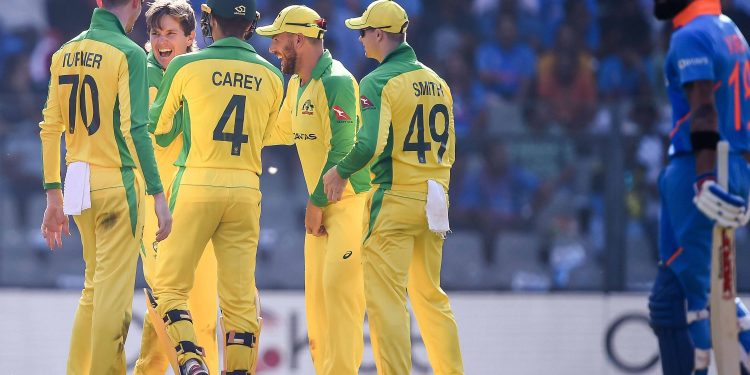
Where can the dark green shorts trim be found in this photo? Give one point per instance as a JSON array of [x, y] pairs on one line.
[[375, 206], [175, 188], [128, 181]]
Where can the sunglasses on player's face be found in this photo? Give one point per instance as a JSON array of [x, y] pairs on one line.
[[362, 32]]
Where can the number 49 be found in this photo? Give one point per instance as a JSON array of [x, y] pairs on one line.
[[417, 121]]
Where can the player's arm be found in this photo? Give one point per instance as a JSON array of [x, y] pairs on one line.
[[693, 59], [341, 93], [51, 128], [279, 132], [373, 136], [134, 100], [133, 96], [704, 125], [155, 75], [166, 105]]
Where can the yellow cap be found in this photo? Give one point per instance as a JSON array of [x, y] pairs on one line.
[[296, 19], [386, 15]]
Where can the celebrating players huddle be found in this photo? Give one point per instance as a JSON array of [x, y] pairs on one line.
[[376, 216]]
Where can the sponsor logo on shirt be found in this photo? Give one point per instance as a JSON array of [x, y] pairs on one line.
[[308, 107], [684, 63], [305, 137], [366, 103], [341, 115]]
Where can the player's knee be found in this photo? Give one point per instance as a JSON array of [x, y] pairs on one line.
[[666, 303], [428, 296]]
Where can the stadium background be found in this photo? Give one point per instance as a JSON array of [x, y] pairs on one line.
[[561, 125]]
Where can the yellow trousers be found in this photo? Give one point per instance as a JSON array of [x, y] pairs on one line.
[[334, 290], [222, 206], [400, 253], [111, 235], [202, 302]]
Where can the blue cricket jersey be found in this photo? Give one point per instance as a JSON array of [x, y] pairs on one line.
[[710, 47]]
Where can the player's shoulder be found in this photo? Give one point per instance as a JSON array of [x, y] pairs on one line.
[[258, 59], [378, 78], [700, 30], [337, 76], [178, 62]]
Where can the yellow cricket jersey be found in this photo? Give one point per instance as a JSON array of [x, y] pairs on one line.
[[165, 153], [407, 125], [98, 97], [229, 95], [321, 117]]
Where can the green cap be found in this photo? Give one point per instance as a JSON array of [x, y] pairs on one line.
[[231, 8]]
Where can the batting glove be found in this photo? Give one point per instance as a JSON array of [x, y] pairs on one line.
[[728, 210]]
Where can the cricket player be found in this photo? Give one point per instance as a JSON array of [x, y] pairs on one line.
[[408, 135], [320, 115], [708, 78], [171, 28], [98, 97], [228, 96]]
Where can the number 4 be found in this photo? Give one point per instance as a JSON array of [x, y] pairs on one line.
[[237, 103]]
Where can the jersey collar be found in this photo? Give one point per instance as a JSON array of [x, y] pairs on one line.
[[105, 20], [151, 58], [324, 62], [404, 52], [232, 42], [695, 9]]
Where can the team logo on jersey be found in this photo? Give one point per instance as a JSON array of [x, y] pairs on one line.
[[307, 108], [341, 115], [366, 103], [240, 10]]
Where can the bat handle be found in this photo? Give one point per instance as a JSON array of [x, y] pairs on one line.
[[722, 164]]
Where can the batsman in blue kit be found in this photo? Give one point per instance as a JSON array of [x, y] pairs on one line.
[[708, 78]]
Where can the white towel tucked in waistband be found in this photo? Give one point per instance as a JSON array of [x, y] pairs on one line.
[[77, 193], [437, 208]]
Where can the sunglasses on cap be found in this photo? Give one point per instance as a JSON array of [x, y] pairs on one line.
[[320, 23]]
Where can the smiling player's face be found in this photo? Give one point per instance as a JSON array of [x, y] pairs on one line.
[[668, 9], [169, 40]]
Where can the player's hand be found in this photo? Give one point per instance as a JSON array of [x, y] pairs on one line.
[[333, 185], [163, 216], [314, 220], [728, 210], [55, 222]]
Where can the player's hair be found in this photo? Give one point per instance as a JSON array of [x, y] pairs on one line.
[[314, 41], [179, 9], [235, 26], [397, 38]]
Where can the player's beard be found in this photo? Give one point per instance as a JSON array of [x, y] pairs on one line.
[[668, 9], [289, 61]]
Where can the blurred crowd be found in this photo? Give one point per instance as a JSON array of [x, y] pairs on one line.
[[550, 97]]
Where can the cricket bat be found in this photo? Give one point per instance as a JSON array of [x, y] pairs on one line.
[[724, 327]]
